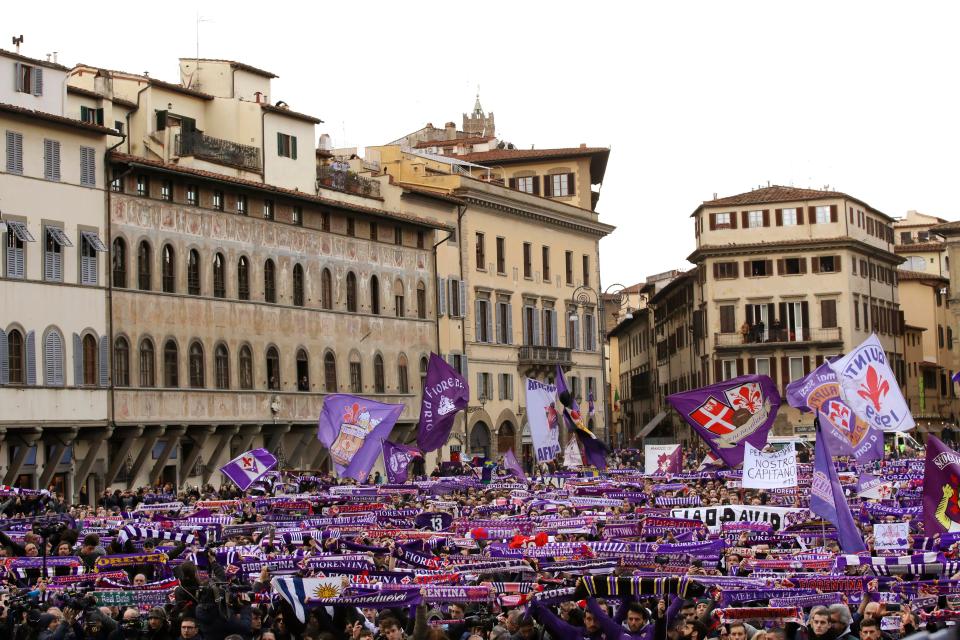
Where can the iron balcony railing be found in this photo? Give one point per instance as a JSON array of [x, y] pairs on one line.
[[778, 337], [532, 355], [347, 181], [218, 150]]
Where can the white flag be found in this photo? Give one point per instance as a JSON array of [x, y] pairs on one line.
[[869, 387], [771, 470], [572, 458]]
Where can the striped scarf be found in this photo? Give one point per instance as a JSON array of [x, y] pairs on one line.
[[683, 501], [640, 586], [134, 532]]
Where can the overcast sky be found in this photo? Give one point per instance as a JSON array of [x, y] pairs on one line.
[[694, 98]]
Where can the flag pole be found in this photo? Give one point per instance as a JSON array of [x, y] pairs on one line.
[[817, 434]]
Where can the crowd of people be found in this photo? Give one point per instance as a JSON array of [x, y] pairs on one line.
[[491, 555]]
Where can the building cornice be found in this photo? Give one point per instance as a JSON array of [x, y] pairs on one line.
[[539, 214], [763, 248]]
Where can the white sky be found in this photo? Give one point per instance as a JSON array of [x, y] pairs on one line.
[[693, 97]]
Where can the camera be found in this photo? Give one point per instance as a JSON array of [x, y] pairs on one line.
[[48, 528]]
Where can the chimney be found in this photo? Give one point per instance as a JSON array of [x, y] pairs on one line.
[[54, 57], [583, 145], [450, 130]]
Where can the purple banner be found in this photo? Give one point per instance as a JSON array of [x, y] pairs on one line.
[[397, 458], [731, 413], [249, 467], [941, 488], [445, 393], [353, 428]]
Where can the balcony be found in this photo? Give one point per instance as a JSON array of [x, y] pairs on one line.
[[346, 181], [531, 356], [779, 339], [217, 150]]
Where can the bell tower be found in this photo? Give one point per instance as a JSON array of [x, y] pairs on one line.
[[478, 123]]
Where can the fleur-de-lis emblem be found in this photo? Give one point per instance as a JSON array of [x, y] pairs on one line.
[[839, 415], [351, 413], [747, 397], [875, 388]]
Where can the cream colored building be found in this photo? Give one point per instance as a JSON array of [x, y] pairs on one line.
[[791, 277], [508, 277], [54, 344], [925, 298]]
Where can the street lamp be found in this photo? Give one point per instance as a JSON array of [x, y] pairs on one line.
[[583, 296]]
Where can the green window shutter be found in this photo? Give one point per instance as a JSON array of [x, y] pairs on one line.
[[279, 144], [293, 147]]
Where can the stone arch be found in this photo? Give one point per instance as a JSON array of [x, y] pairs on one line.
[[480, 439]]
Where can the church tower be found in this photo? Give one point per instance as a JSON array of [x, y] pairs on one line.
[[478, 123]]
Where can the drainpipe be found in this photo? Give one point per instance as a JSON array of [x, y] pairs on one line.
[[263, 145], [108, 227]]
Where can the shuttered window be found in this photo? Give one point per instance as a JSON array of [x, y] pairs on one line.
[[90, 245], [728, 319], [379, 382], [53, 357], [828, 314], [326, 289], [147, 364], [121, 362], [55, 241], [27, 79], [286, 146], [51, 159], [15, 358], [88, 166], [14, 152], [17, 236], [243, 278]]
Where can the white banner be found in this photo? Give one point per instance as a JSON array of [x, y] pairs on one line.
[[572, 458], [714, 516], [769, 470], [659, 459], [543, 419], [869, 387], [891, 535]]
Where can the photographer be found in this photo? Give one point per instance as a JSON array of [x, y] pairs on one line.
[[130, 627]]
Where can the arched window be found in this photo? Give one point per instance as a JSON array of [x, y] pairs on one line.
[[298, 285], [53, 357], [403, 385], [351, 292], [421, 301], [273, 369], [193, 273], [330, 372], [303, 370], [399, 307], [89, 360], [219, 278], [423, 372], [221, 366], [246, 368], [356, 374], [374, 295], [121, 362], [326, 289], [16, 370], [171, 373], [169, 269], [147, 364], [143, 266], [243, 278], [379, 383], [196, 366], [269, 282], [119, 263]]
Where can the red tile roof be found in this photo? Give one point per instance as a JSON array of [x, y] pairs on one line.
[[177, 88], [906, 274], [946, 229], [919, 246], [453, 142], [506, 156], [292, 193], [237, 65], [49, 117], [778, 193], [35, 61], [290, 113]]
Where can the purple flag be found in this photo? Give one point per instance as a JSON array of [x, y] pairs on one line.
[[731, 413], [445, 392], [591, 409], [956, 377], [593, 449], [249, 467], [941, 488], [353, 428], [397, 458], [845, 432], [513, 465], [827, 499]]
